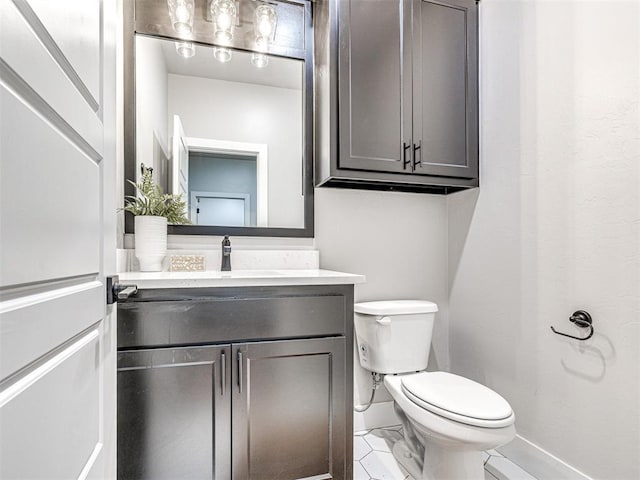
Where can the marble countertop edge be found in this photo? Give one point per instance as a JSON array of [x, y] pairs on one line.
[[239, 278]]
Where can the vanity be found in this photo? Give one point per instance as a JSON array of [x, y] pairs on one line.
[[236, 375]]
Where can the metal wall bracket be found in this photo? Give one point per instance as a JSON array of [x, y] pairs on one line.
[[583, 320]]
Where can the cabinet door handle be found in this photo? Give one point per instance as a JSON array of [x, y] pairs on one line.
[[223, 372], [415, 149], [240, 372], [405, 147]]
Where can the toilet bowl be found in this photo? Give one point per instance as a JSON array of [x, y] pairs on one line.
[[448, 420]]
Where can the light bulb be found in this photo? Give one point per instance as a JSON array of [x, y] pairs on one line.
[[223, 21], [264, 27], [259, 60], [185, 49], [223, 55], [262, 43], [182, 14]]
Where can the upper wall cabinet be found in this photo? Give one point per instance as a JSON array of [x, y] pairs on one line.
[[397, 94]]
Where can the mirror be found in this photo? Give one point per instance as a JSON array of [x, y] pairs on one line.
[[228, 128]]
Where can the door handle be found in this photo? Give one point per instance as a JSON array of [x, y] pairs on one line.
[[415, 149], [240, 371], [405, 147], [117, 291], [223, 372]]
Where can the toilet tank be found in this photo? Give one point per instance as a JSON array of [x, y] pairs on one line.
[[394, 336]]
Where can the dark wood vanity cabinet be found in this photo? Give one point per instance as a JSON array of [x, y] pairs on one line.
[[236, 383], [400, 80]]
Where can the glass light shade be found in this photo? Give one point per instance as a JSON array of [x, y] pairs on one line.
[[264, 21], [224, 17], [223, 55], [181, 14], [185, 49], [259, 60]]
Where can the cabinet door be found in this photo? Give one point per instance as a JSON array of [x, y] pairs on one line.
[[445, 73], [289, 411], [174, 418], [374, 93]]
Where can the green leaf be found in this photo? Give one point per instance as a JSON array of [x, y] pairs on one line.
[[151, 201]]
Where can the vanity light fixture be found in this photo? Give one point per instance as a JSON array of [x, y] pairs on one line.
[[185, 49], [181, 14], [222, 54], [224, 17], [264, 23]]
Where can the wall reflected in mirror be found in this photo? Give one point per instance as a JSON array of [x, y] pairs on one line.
[[225, 129]]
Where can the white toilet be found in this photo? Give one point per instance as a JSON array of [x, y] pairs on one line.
[[448, 420]]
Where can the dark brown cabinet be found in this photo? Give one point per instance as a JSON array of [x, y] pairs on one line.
[[399, 79], [236, 383]]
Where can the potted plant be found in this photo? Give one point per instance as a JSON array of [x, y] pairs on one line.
[[153, 210]]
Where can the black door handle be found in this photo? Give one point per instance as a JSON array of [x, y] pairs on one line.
[[117, 291]]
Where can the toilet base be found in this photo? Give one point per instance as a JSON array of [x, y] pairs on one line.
[[440, 462], [408, 460]]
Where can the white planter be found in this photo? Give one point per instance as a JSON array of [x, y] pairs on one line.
[[151, 242]]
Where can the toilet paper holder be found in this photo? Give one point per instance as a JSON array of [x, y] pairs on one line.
[[583, 320]]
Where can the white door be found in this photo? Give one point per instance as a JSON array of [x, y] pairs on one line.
[[57, 239], [180, 160]]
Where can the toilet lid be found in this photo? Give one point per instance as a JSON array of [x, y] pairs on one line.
[[458, 398]]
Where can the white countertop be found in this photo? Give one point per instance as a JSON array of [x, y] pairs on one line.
[[238, 278]]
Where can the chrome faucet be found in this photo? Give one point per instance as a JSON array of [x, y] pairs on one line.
[[226, 254]]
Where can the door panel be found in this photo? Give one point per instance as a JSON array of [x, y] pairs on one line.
[[288, 410], [76, 49], [372, 97], [57, 177], [49, 432], [50, 191], [23, 320], [174, 418], [445, 112], [24, 53]]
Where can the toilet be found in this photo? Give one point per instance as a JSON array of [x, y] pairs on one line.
[[448, 420]]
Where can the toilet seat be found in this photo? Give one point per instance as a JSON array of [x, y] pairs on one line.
[[457, 398]]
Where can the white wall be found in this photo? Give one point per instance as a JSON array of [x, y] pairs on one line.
[[398, 240], [555, 227], [151, 98], [242, 112]]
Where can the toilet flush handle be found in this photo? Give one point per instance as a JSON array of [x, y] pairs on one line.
[[384, 321]]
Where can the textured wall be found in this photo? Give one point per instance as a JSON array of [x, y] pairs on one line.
[[555, 227]]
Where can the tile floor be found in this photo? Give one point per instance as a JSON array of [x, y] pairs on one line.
[[373, 459]]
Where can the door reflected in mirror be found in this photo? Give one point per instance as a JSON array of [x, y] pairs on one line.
[[227, 135]]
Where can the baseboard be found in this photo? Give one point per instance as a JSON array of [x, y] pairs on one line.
[[378, 415], [538, 462]]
